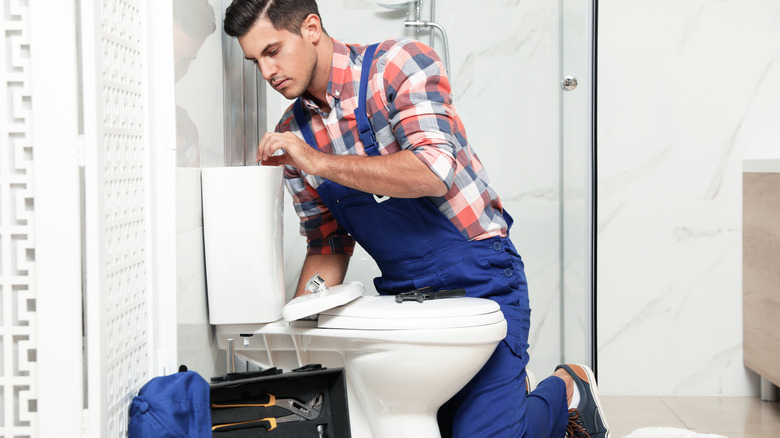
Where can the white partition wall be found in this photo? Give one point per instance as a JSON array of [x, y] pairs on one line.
[[129, 165], [18, 291]]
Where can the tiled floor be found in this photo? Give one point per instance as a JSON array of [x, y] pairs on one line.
[[733, 417]]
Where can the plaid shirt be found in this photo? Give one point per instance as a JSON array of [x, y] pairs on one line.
[[410, 107]]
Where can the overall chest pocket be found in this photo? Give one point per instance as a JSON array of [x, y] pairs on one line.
[[390, 229]]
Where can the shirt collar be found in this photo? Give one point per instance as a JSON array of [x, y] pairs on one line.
[[339, 67]]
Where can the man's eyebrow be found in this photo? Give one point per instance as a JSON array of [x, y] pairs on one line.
[[265, 50], [268, 47]]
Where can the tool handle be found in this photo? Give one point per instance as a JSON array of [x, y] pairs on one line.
[[271, 425], [449, 293], [424, 294], [271, 402]]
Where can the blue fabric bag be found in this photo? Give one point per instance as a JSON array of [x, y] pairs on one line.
[[174, 406]]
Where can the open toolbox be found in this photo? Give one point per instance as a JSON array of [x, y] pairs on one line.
[[308, 402]]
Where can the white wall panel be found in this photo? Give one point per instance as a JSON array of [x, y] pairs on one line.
[[18, 292], [57, 206], [126, 168]]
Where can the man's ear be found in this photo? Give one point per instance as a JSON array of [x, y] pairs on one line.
[[312, 28]]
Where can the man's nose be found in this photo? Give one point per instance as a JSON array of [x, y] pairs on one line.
[[267, 69]]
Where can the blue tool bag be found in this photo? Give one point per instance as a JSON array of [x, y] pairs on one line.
[[174, 406]]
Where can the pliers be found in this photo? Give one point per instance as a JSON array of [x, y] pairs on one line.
[[424, 294], [300, 412]]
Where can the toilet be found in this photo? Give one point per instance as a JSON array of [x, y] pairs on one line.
[[402, 360]]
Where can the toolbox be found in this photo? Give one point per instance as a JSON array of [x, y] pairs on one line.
[[308, 402]]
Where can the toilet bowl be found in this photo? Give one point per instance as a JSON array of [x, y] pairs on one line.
[[402, 360]]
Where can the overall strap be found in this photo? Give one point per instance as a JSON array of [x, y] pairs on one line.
[[365, 129], [303, 125]]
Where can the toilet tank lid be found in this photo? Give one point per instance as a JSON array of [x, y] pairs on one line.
[[384, 313]]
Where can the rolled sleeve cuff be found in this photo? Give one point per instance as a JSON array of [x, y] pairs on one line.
[[331, 245], [440, 161]]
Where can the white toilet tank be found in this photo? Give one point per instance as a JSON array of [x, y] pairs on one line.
[[242, 231]]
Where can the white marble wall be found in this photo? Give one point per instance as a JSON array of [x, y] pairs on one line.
[[686, 89]]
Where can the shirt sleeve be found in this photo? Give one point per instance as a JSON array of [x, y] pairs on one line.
[[420, 110], [323, 233]]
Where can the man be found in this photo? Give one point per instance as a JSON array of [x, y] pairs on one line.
[[375, 151]]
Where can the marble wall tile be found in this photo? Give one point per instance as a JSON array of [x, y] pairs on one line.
[[682, 96]]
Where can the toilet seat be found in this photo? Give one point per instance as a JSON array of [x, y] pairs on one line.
[[383, 313]]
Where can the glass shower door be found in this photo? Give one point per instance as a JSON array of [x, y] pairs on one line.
[[578, 202]]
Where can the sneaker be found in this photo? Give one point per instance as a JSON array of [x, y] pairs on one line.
[[587, 419]]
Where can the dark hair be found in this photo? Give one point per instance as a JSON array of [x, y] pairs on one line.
[[241, 15]]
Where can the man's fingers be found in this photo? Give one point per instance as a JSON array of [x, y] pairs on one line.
[[275, 160]]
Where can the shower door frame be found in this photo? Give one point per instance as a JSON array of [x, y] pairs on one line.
[[578, 28]]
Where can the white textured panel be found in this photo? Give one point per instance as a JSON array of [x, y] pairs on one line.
[[18, 403], [118, 202], [124, 210]]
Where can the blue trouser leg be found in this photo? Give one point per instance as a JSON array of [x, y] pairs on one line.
[[493, 404], [547, 412]]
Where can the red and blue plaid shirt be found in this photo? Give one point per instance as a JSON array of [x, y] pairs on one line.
[[410, 106]]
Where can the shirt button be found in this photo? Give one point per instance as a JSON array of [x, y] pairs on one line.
[[508, 272], [497, 246]]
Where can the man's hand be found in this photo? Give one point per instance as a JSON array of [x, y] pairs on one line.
[[332, 269], [399, 175], [294, 152]]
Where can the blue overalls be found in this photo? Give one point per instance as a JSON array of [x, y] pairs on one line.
[[416, 246]]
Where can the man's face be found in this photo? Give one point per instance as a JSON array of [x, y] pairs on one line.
[[287, 61]]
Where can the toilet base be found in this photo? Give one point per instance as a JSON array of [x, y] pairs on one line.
[[391, 390]]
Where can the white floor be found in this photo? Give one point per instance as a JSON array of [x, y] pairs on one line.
[[733, 417]]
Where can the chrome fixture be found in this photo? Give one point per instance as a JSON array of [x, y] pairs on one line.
[[414, 19], [569, 83], [316, 284]]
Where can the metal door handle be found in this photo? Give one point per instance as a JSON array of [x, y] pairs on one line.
[[569, 83]]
